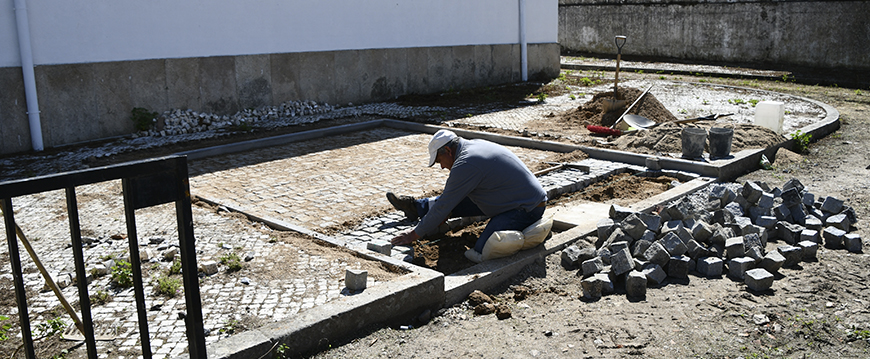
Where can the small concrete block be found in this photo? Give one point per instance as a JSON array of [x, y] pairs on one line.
[[355, 279], [772, 262], [742, 225], [592, 287], [766, 201], [832, 205], [755, 212], [728, 197], [758, 279], [720, 235], [671, 226], [722, 216], [604, 254], [833, 237], [808, 250], [592, 266], [621, 262], [737, 267], [208, 267], [657, 254], [753, 240], [618, 235], [782, 213], [635, 284], [710, 267], [673, 244], [768, 222], [702, 232], [752, 192], [850, 214], [639, 247], [382, 247], [792, 255], [791, 197], [735, 209], [648, 236], [653, 222], [755, 253], [808, 199], [811, 235], [788, 232], [813, 222], [853, 243], [572, 255], [605, 228], [654, 273], [695, 249], [606, 283], [734, 248], [678, 267], [685, 234], [793, 183], [618, 246], [169, 255], [619, 213], [838, 221], [633, 226], [798, 214]]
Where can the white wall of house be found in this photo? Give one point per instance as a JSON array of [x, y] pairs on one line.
[[69, 32]]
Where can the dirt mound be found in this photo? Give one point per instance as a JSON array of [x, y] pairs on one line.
[[592, 112], [785, 157]]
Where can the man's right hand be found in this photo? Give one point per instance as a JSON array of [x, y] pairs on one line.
[[405, 238]]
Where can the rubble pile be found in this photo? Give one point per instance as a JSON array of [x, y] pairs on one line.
[[723, 228], [176, 122]]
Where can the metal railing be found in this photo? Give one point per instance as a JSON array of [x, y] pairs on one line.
[[145, 183]]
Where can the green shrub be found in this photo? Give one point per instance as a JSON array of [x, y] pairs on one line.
[[176, 267], [142, 118], [4, 328], [167, 286], [122, 274], [232, 261], [802, 140]]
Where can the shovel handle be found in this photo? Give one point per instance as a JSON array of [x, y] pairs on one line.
[[620, 41]]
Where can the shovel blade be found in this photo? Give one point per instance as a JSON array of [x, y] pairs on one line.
[[610, 105]]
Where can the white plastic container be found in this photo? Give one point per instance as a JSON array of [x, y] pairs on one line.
[[770, 114]]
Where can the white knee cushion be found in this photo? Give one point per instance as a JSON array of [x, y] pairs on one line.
[[537, 232], [502, 244]]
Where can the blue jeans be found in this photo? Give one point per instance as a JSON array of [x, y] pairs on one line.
[[515, 219]]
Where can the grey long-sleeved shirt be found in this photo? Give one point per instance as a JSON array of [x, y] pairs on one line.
[[491, 176]]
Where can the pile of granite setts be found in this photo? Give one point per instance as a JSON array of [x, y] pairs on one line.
[[725, 227]]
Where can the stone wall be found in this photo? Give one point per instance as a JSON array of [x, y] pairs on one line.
[[88, 101], [818, 34]]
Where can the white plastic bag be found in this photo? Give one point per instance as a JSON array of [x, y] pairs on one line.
[[502, 244], [536, 233]]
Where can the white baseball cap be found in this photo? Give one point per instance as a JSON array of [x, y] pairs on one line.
[[441, 138]]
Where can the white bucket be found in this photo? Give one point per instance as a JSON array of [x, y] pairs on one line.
[[770, 114]]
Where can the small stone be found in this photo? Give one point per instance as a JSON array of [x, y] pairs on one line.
[[772, 262], [355, 279], [737, 267], [592, 266], [635, 284], [833, 237], [654, 273], [209, 267], [853, 243], [710, 267], [792, 255], [808, 250], [758, 279]]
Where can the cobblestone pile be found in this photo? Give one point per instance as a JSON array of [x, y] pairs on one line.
[[726, 227]]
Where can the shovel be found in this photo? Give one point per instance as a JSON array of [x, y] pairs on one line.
[[644, 123], [616, 103]]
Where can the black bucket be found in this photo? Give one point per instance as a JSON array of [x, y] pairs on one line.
[[720, 142], [693, 140]]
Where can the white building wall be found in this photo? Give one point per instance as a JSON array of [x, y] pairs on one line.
[[69, 32]]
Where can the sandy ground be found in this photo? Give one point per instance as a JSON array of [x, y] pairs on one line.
[[818, 310]]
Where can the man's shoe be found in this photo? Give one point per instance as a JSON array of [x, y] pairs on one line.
[[404, 204]]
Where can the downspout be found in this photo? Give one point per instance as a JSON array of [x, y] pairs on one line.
[[524, 57], [29, 77]]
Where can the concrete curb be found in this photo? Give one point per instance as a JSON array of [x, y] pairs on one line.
[[314, 329]]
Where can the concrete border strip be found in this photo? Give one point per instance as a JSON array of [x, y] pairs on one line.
[[401, 298]]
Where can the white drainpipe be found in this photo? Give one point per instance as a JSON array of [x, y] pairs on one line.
[[29, 77], [524, 57]]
